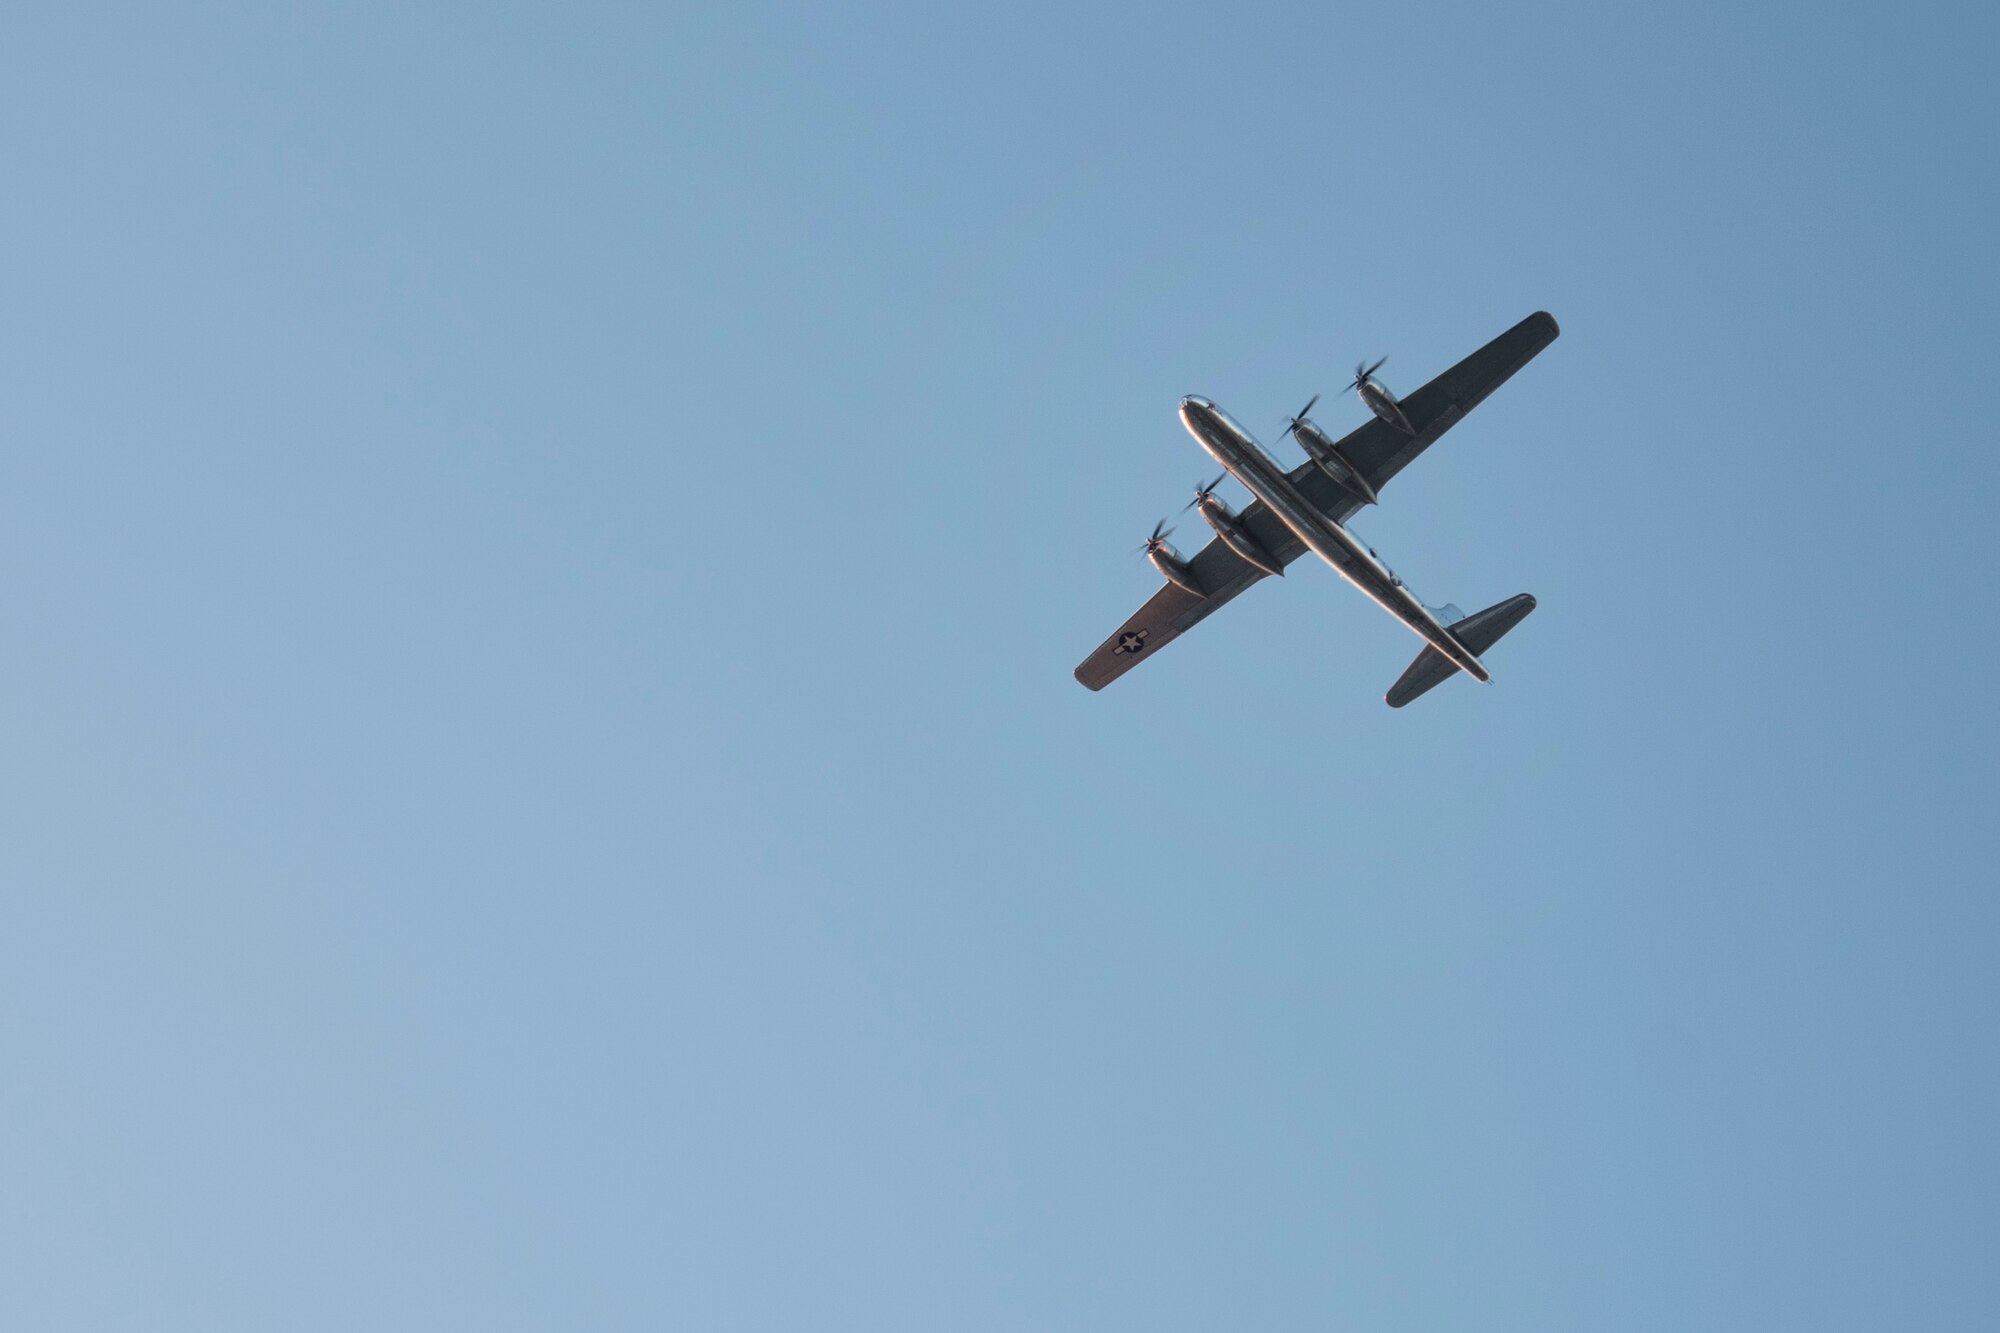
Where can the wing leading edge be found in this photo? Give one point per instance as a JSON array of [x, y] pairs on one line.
[[1377, 448]]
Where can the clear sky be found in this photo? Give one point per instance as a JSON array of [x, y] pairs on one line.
[[542, 548]]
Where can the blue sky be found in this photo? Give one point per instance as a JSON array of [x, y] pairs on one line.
[[544, 547]]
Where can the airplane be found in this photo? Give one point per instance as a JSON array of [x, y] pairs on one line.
[[1306, 509]]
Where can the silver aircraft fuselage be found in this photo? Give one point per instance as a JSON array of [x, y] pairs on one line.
[[1232, 446]]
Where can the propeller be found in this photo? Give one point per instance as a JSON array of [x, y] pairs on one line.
[[1159, 538], [1361, 376], [1203, 492], [1301, 416]]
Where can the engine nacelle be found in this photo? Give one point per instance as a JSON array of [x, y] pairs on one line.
[[1237, 537], [1330, 460], [1384, 405], [1176, 570]]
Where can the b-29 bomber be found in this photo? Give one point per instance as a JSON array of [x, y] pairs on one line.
[[1307, 508]]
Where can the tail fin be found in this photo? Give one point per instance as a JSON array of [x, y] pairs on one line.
[[1478, 631]]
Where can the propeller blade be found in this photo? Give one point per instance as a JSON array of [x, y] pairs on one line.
[[1370, 372], [1301, 415], [1202, 492]]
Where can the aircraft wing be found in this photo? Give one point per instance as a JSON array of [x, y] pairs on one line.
[[1173, 609], [1379, 449]]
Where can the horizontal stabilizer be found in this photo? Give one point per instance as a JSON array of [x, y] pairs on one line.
[[1478, 632]]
